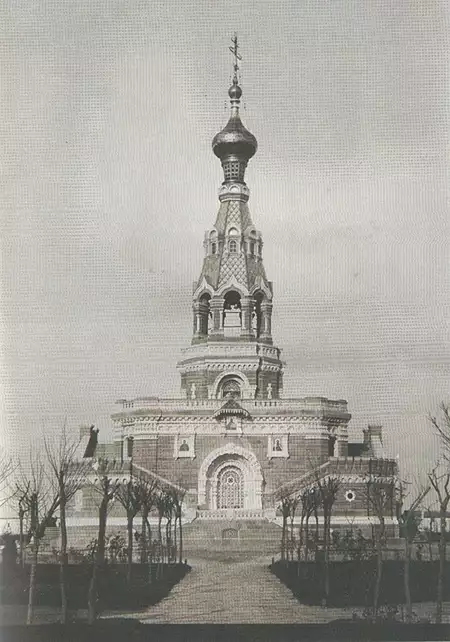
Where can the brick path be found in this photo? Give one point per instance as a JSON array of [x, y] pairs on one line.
[[237, 592]]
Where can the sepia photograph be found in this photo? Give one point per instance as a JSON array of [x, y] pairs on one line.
[[224, 316]]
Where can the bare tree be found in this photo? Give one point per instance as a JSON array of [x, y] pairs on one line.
[[7, 469], [440, 482], [40, 499], [380, 495], [130, 497], [69, 474], [147, 490], [168, 514], [409, 526], [285, 507], [177, 497], [295, 501], [443, 428], [164, 506], [310, 501], [106, 485], [22, 510], [327, 491]]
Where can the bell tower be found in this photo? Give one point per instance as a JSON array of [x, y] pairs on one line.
[[232, 352]]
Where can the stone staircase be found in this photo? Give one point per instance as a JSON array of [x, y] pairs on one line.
[[246, 536]]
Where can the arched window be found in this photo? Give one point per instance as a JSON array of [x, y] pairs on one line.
[[252, 248], [230, 386], [184, 446], [232, 246], [277, 445], [213, 241]]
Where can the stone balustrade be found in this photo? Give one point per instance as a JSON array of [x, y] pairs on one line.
[[237, 350], [153, 404], [231, 514]]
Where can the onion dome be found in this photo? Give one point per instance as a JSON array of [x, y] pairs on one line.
[[234, 145]]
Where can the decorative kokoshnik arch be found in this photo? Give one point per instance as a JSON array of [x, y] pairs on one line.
[[235, 455]]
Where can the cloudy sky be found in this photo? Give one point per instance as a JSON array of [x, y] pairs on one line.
[[108, 182]]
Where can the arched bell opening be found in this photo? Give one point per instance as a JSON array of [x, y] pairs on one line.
[[202, 317], [258, 298], [205, 317], [232, 314]]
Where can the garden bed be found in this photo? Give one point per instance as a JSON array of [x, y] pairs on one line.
[[148, 586], [352, 583]]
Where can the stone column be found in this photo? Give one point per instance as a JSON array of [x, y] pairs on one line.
[[216, 307], [246, 310], [266, 322], [200, 319], [341, 446]]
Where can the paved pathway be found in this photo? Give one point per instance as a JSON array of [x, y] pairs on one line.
[[237, 592]]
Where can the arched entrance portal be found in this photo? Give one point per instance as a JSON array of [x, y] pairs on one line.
[[230, 478]]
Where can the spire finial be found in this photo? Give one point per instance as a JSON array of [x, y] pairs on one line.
[[237, 56], [234, 145]]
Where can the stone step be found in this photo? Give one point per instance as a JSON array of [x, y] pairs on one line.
[[237, 535]]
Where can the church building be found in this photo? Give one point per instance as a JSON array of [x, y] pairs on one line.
[[231, 440]]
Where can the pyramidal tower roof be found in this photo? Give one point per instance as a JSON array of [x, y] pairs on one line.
[[234, 145]]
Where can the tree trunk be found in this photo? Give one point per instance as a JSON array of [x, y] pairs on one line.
[[63, 559], [316, 515], [326, 541], [376, 595], [168, 529], [180, 538], [98, 562], [149, 552], [129, 547], [32, 585], [161, 549], [175, 539], [283, 538], [144, 535], [430, 546], [408, 546], [441, 576], [306, 537], [21, 538], [292, 537]]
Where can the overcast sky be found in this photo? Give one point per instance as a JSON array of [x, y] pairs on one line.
[[108, 182]]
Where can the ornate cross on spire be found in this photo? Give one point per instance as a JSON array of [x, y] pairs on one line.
[[237, 56]]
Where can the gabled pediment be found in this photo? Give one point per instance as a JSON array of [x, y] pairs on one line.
[[203, 287], [233, 284], [231, 407]]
